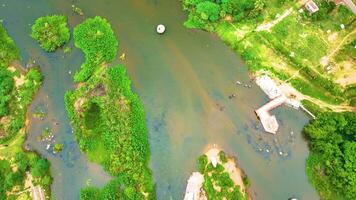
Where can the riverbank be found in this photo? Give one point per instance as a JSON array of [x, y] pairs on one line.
[[310, 56], [270, 40], [219, 177], [18, 89]]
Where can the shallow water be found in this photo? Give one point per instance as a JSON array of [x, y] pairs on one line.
[[184, 78]]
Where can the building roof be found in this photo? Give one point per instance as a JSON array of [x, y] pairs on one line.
[[350, 4], [311, 6]]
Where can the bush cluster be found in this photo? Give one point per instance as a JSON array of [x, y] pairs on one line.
[[51, 32], [203, 13], [97, 40], [332, 160], [14, 179]]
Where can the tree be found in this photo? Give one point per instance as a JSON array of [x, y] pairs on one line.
[[51, 32], [208, 11], [40, 168], [6, 87], [332, 162], [8, 49]]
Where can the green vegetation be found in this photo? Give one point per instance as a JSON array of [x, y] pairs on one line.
[[8, 53], [108, 118], [51, 32], [8, 49], [314, 54], [217, 177], [222, 157], [99, 44], [331, 163], [14, 99], [293, 49], [57, 147], [6, 85], [46, 133], [13, 175]]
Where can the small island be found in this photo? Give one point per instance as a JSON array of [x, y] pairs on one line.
[[51, 32], [108, 117], [218, 178]]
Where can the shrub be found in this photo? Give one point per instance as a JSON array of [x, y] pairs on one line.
[[222, 157], [51, 32], [97, 40], [202, 162]]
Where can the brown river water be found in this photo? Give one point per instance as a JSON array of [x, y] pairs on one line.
[[184, 79]]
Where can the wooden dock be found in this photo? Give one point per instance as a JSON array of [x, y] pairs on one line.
[[269, 122]]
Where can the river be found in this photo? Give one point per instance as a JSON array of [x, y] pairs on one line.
[[184, 78]]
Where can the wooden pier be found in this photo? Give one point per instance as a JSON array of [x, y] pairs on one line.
[[269, 122]]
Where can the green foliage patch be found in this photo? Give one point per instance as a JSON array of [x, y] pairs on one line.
[[12, 180], [332, 160], [51, 32], [8, 50], [97, 40]]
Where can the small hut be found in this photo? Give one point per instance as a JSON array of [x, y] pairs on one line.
[[311, 6]]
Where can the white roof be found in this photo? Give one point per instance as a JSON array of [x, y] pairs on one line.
[[268, 86]]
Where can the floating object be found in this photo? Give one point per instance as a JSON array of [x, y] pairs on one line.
[[161, 29], [70, 72], [48, 145], [232, 96], [123, 56], [292, 198]]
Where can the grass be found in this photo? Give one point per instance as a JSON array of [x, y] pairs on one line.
[[294, 48], [13, 146]]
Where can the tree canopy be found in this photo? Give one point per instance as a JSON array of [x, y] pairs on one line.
[[204, 13], [8, 49], [6, 86], [331, 165]]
